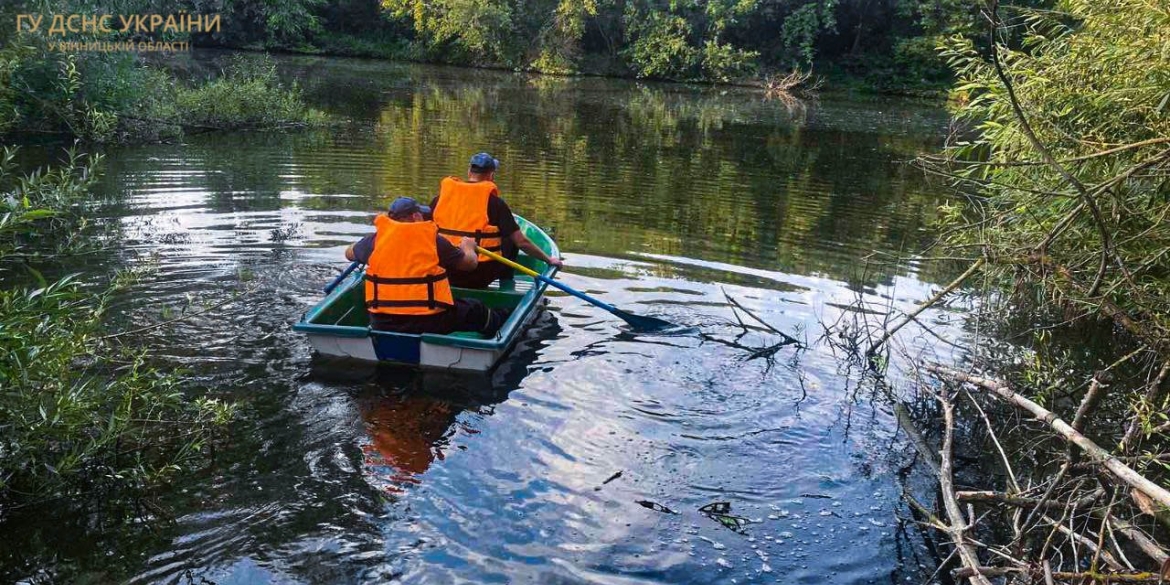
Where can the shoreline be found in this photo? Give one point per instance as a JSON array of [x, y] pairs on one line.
[[833, 83]]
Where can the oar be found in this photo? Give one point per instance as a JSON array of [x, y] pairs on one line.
[[340, 277], [638, 322]]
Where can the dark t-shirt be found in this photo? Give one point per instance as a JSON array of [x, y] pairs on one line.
[[449, 255], [499, 215]]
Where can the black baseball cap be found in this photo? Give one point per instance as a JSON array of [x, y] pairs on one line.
[[405, 206]]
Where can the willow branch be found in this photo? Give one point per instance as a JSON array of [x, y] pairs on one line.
[[1082, 158], [1151, 397], [1026, 128]]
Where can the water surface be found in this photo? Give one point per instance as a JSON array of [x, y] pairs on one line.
[[664, 198]]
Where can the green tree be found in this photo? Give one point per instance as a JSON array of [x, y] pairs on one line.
[[1072, 162], [481, 29], [684, 39], [804, 26]]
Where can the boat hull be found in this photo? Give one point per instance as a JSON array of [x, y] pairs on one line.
[[415, 350], [338, 326]]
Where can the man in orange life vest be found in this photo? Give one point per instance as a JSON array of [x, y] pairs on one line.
[[407, 274], [474, 209]]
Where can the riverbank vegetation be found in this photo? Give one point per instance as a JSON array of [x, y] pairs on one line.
[[1063, 208], [890, 45], [121, 97], [83, 415], [883, 46]]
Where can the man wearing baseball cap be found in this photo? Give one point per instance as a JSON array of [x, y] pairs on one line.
[[408, 268], [474, 209]]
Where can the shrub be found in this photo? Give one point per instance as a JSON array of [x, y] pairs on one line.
[[112, 97], [248, 95], [79, 414]]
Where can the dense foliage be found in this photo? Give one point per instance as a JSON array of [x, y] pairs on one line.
[[1070, 167], [1065, 168], [79, 413], [117, 96], [889, 43], [1083, 208], [885, 43]]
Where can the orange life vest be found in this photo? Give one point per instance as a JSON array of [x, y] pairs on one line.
[[462, 211], [404, 276]]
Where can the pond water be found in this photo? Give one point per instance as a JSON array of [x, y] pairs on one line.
[[663, 198]]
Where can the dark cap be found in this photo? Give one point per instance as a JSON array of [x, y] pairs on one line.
[[484, 162], [405, 206]]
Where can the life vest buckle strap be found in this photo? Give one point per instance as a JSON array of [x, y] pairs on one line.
[[427, 280], [477, 235]]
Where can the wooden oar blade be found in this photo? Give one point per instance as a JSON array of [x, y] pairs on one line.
[[644, 323]]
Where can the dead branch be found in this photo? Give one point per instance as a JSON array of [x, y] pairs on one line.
[[787, 338], [907, 424], [1089, 402], [1084, 577], [1007, 465], [1023, 502], [1094, 451], [796, 80], [958, 525], [1087, 543], [1138, 537], [913, 314]]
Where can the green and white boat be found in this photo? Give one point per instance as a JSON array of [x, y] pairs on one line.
[[338, 326]]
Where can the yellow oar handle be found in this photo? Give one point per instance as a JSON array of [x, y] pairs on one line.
[[507, 262], [636, 321]]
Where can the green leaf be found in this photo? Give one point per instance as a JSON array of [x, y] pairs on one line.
[[40, 278], [35, 214]]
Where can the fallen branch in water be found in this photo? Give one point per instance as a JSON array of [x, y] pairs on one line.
[[958, 525], [1023, 502], [916, 439], [1095, 548], [1094, 451], [1096, 391], [796, 80], [1140, 539], [790, 340], [1084, 577]]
